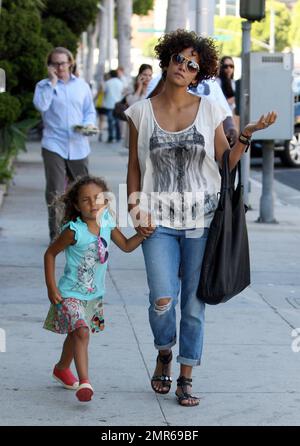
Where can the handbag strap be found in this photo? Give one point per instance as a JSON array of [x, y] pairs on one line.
[[228, 178]]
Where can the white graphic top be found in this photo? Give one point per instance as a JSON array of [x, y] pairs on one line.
[[179, 173]]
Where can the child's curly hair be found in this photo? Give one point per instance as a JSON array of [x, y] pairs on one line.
[[176, 41], [66, 202]]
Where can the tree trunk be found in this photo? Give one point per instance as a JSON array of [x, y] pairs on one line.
[[176, 15], [124, 11], [92, 36], [102, 42]]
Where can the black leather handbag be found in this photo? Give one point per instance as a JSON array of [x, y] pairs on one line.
[[225, 269], [120, 108]]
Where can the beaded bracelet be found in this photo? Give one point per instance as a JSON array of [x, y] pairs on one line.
[[245, 140]]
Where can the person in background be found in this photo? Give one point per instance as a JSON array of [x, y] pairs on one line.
[[140, 92], [226, 81], [126, 80], [141, 84], [101, 111], [64, 101], [211, 89], [113, 90]]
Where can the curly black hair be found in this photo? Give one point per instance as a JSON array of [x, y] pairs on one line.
[[176, 41], [66, 203]]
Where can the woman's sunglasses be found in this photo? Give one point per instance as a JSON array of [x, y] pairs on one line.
[[191, 65], [228, 65]]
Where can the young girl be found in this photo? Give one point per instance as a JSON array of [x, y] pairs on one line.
[[76, 302]]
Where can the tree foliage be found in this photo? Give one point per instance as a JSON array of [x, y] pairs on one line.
[[261, 30], [29, 29], [295, 29], [23, 51], [142, 7], [58, 33], [10, 109], [228, 34], [77, 14], [228, 31], [148, 47]]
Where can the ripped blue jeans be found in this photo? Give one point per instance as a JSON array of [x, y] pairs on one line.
[[173, 261]]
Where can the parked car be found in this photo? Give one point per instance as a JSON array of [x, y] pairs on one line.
[[288, 151]]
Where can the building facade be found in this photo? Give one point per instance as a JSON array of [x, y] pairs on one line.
[[228, 7]]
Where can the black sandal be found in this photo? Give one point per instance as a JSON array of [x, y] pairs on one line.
[[183, 382], [165, 379]]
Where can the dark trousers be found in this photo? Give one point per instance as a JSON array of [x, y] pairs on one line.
[[58, 170], [113, 126]]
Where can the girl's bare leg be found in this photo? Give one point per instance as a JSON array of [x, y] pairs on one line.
[[67, 354], [80, 351]]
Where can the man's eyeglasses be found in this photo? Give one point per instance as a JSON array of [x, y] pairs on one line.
[[179, 59], [59, 64], [227, 65]]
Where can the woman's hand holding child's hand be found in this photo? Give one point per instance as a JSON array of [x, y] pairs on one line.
[[145, 227]]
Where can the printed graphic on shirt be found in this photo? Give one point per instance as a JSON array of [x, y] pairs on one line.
[[177, 161], [86, 271], [102, 249]]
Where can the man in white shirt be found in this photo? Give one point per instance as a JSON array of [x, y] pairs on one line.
[[113, 89]]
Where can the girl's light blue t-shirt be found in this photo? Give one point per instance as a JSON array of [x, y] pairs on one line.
[[84, 275]]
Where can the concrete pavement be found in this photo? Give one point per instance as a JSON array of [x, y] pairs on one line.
[[249, 374]]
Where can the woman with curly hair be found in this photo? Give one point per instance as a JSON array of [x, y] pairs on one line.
[[175, 152]]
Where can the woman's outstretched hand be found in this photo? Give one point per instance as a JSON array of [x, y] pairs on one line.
[[263, 123]]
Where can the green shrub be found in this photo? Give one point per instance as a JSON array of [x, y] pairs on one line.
[[59, 34], [10, 109], [78, 14]]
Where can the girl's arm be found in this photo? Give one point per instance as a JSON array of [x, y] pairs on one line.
[[134, 183], [63, 241], [221, 143], [126, 244]]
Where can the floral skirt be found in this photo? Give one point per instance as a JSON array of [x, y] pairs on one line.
[[74, 313]]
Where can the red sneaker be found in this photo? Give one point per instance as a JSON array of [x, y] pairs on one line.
[[85, 392], [66, 378]]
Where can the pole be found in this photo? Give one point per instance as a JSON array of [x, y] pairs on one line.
[[205, 11], [272, 27], [266, 214], [244, 105]]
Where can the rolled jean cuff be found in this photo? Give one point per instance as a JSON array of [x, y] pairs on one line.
[[188, 361], [165, 347]]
